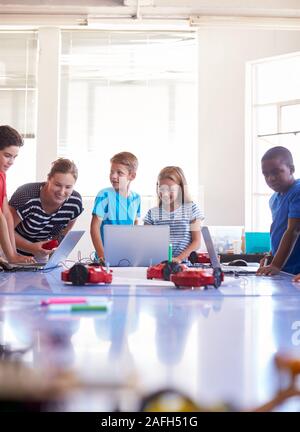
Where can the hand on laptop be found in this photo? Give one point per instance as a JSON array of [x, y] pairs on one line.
[[21, 259], [268, 270]]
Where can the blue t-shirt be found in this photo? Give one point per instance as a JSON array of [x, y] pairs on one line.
[[284, 206], [115, 209]]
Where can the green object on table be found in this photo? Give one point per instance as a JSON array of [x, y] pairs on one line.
[[170, 253], [257, 242]]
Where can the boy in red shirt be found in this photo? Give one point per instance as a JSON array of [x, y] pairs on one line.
[[10, 142]]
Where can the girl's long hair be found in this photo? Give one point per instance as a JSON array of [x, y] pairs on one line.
[[176, 174]]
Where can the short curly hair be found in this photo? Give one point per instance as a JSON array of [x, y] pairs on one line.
[[10, 137], [281, 153]]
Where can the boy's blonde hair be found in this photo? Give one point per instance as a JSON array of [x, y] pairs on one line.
[[177, 175], [128, 159]]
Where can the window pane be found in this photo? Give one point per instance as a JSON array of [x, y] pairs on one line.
[[18, 61], [261, 213], [290, 118], [275, 81], [24, 169], [266, 119], [133, 91], [261, 146], [278, 80]]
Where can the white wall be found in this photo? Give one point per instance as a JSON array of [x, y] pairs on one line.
[[223, 53]]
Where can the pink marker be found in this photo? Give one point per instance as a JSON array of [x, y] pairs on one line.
[[63, 300]]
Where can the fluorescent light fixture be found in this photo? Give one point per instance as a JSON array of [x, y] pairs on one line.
[[9, 20], [245, 22], [138, 2], [130, 22]]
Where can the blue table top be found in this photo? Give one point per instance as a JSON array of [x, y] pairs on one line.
[[214, 344]]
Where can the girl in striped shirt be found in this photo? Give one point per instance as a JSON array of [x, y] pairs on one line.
[[176, 209]]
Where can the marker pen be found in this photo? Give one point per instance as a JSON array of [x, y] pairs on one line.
[[170, 253], [76, 308], [63, 300]]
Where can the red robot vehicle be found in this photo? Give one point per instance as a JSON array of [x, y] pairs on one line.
[[81, 274], [185, 277], [164, 270], [195, 278], [199, 258]]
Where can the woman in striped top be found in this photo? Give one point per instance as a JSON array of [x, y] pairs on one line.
[[47, 210], [176, 209]]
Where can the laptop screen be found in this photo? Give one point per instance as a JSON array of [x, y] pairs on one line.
[[135, 245], [236, 270], [210, 247], [64, 249]]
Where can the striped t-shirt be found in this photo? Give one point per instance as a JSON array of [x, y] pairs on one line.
[[179, 221], [37, 225]]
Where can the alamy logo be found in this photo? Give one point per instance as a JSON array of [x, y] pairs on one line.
[[296, 334]]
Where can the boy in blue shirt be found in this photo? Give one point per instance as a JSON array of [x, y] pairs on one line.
[[116, 205], [278, 170]]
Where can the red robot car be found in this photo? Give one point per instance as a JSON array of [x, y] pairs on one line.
[[164, 270], [195, 278], [199, 258], [81, 274]]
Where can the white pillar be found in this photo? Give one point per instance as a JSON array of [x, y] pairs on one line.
[[48, 99]]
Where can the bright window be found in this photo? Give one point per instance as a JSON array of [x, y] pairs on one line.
[[133, 91], [275, 118], [18, 61]]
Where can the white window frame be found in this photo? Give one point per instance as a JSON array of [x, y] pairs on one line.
[[251, 137]]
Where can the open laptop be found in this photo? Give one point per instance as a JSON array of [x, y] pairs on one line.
[[60, 254], [136, 245], [234, 270]]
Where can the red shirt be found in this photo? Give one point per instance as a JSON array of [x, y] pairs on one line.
[[2, 188]]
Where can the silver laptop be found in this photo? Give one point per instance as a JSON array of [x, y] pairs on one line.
[[234, 270], [136, 245], [59, 255]]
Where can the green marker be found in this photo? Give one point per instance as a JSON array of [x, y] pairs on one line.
[[88, 308], [77, 308], [170, 254]]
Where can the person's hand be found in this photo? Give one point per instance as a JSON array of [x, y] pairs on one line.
[[269, 270], [296, 278], [101, 261], [177, 260], [264, 261], [38, 250], [21, 259]]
